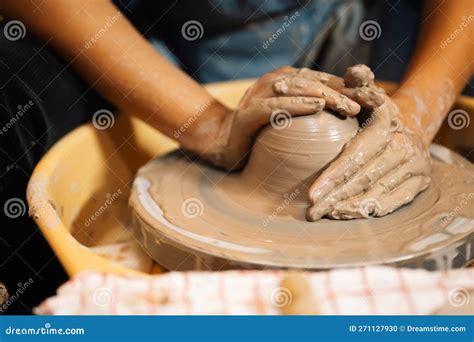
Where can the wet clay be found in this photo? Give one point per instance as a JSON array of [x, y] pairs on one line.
[[381, 166], [189, 213], [291, 158]]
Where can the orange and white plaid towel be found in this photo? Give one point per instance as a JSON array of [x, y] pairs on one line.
[[354, 291]]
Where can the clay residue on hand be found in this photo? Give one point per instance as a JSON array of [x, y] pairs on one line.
[[360, 86], [359, 76], [222, 216], [386, 164]]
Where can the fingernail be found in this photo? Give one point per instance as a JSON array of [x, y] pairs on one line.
[[312, 214]]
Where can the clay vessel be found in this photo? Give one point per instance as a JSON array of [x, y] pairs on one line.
[[292, 154]]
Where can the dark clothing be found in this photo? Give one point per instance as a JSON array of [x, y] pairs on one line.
[[41, 99]]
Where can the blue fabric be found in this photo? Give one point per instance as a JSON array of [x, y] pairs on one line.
[[400, 23], [255, 48], [247, 38]]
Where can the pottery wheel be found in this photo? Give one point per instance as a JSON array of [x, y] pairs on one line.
[[189, 215]]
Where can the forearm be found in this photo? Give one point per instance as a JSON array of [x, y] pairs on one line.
[[440, 67], [121, 65]]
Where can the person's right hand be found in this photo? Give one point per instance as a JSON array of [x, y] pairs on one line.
[[277, 96], [382, 168]]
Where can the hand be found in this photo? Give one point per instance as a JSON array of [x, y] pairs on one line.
[[289, 92], [385, 166]]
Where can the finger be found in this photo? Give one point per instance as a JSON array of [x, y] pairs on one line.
[[383, 174], [262, 111], [357, 153], [320, 76], [415, 167], [296, 85], [374, 204], [412, 168], [359, 86], [359, 75], [367, 176], [367, 97]]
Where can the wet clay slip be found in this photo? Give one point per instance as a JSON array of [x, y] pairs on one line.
[[189, 215]]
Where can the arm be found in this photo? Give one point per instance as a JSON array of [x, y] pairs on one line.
[[440, 66], [122, 66]]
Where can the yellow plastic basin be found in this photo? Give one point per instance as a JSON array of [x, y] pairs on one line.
[[89, 168]]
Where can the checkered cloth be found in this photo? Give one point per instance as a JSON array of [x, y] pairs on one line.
[[354, 291]]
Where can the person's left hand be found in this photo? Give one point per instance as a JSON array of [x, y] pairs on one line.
[[286, 92], [383, 167]]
